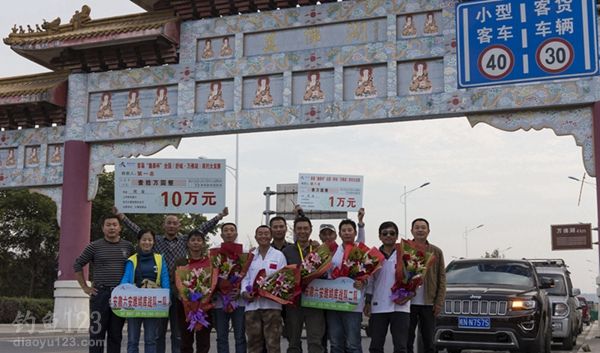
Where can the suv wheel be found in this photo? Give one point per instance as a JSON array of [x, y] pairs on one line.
[[543, 342], [569, 342]]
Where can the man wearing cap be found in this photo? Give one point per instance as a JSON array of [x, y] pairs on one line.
[[328, 233]]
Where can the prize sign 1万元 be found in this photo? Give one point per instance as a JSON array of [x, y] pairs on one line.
[[170, 185], [330, 192], [511, 41]]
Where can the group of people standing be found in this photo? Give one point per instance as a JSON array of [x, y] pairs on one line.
[[258, 322]]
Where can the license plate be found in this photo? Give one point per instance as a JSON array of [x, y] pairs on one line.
[[482, 323]]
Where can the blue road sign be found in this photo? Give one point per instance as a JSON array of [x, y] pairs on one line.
[[510, 41]]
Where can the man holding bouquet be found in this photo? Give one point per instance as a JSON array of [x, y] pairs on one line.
[[263, 316], [429, 298], [379, 304], [296, 316], [228, 304]]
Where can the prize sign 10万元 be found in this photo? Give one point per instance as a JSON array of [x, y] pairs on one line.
[[511, 41], [170, 185]]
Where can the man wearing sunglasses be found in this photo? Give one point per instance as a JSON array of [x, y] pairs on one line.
[[383, 313]]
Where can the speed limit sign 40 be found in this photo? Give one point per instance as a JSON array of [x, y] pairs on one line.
[[554, 55], [495, 62]]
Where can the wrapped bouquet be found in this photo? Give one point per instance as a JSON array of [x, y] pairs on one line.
[[196, 286], [413, 260], [359, 262], [281, 287], [316, 263], [231, 265]]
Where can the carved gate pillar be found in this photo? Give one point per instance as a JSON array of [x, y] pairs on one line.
[[70, 302], [596, 128]]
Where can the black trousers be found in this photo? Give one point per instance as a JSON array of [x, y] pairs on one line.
[[104, 325], [398, 324], [421, 315]]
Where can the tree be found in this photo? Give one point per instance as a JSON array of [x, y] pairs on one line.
[[494, 254], [28, 244]]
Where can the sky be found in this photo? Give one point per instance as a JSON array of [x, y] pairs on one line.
[[514, 183]]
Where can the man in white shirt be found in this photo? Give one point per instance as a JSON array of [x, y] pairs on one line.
[[383, 312], [263, 316]]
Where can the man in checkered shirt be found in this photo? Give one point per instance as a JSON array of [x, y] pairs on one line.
[[172, 246]]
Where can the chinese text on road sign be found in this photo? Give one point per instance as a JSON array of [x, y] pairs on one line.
[[325, 192], [170, 185], [510, 41]]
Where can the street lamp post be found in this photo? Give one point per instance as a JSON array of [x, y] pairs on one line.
[[466, 235], [501, 252], [403, 196]]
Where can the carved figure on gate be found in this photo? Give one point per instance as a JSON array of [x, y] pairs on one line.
[[420, 82], [208, 52], [215, 102], [409, 29], [105, 109], [313, 92], [81, 18], [161, 102], [263, 97], [431, 26], [133, 104], [51, 27], [11, 160], [226, 50], [32, 156], [365, 87], [56, 156]]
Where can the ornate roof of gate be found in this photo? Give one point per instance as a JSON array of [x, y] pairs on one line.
[[27, 101], [198, 9], [86, 45]]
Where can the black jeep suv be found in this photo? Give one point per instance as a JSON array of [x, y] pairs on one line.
[[494, 304]]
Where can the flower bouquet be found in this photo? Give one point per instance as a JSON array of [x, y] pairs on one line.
[[359, 262], [412, 263], [231, 265], [281, 287], [316, 263], [196, 286]]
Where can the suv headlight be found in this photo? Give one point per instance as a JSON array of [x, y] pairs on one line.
[[522, 304], [560, 309]]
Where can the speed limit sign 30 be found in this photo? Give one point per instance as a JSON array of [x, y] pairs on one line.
[[554, 55], [495, 62]]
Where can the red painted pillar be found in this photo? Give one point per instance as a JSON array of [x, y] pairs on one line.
[[76, 210]]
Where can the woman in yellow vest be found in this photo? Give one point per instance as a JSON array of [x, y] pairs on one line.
[[145, 269]]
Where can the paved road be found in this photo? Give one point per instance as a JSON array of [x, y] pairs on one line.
[[23, 342]]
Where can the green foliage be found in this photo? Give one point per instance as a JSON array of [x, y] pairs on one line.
[[28, 244], [15, 310], [494, 254]]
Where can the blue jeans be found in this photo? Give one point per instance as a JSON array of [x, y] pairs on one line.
[[133, 334], [344, 331], [162, 329], [221, 320]]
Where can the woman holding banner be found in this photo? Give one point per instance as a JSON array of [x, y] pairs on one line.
[[144, 269]]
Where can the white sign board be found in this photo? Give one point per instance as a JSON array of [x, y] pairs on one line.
[[170, 185], [330, 192]]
